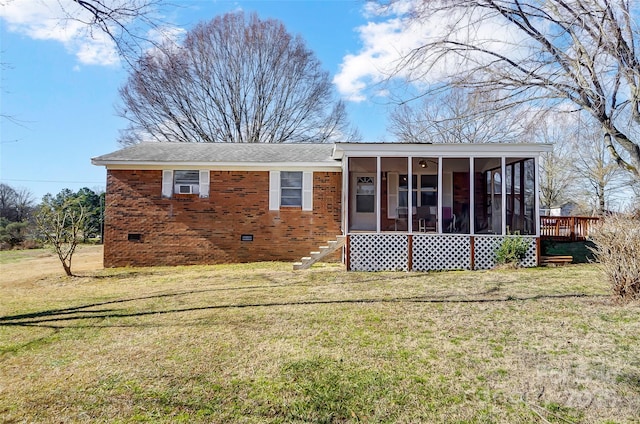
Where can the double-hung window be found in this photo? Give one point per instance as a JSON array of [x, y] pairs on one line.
[[424, 191], [185, 182], [290, 189]]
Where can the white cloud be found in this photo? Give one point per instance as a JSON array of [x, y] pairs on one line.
[[384, 44], [168, 36], [49, 20], [390, 36], [166, 33]]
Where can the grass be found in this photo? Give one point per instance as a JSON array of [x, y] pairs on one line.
[[260, 343], [12, 256]]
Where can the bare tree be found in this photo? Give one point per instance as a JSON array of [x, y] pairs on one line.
[[24, 203], [132, 25], [126, 22], [549, 52], [556, 171], [599, 176], [15, 203], [61, 225], [10, 118], [7, 202], [457, 116], [232, 80]]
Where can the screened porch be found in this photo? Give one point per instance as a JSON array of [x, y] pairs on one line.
[[430, 206], [442, 195]]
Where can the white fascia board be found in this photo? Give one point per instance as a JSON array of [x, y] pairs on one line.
[[436, 149], [223, 166]]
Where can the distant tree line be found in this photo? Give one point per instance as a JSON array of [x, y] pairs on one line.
[[19, 212]]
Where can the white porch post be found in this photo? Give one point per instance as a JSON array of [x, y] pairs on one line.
[[439, 210], [536, 213], [503, 197], [378, 192], [472, 196], [410, 195], [345, 195]]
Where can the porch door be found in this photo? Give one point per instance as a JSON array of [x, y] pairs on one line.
[[363, 202]]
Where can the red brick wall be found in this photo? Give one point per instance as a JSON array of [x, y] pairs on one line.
[[187, 229]]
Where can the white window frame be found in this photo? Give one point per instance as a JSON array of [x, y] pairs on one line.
[[170, 185], [275, 191], [292, 190], [395, 193]]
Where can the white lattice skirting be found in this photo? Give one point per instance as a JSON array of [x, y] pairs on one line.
[[485, 251], [441, 252], [378, 252], [430, 252]]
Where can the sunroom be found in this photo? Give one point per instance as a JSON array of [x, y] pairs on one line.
[[428, 207]]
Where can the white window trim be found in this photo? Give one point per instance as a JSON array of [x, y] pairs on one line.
[[307, 191], [275, 193], [204, 183], [274, 190], [168, 183]]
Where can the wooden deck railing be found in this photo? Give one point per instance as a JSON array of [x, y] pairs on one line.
[[566, 228]]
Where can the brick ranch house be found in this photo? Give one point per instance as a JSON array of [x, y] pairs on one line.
[[394, 206]]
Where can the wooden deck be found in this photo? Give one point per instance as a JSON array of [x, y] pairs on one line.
[[566, 228]]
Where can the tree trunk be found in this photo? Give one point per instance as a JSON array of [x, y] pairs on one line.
[[67, 269], [601, 199]]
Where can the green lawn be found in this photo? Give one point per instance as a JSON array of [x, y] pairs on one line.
[[260, 343]]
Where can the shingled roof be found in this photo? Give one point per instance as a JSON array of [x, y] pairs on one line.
[[219, 153]]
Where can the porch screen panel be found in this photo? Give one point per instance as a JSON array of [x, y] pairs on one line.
[[487, 196], [362, 193], [520, 200], [394, 216], [529, 196], [456, 203], [403, 190], [428, 190], [392, 195]]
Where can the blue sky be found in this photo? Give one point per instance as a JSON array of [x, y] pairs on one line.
[[60, 88]]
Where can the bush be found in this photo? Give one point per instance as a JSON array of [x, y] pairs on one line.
[[12, 233], [512, 250], [31, 244], [617, 249]]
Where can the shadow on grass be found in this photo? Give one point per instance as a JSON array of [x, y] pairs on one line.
[[42, 316], [47, 318], [630, 379]]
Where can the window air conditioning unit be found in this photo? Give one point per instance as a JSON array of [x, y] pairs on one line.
[[185, 188]]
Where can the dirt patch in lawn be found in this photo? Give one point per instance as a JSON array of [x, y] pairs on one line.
[[37, 264]]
